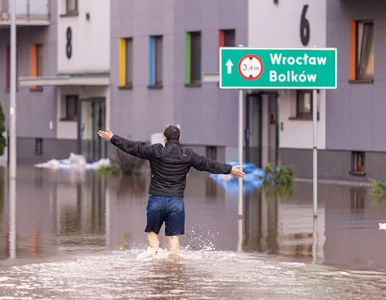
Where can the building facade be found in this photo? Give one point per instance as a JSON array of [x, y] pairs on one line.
[[355, 139], [77, 75], [158, 55], [351, 118], [35, 44], [124, 65], [279, 123]]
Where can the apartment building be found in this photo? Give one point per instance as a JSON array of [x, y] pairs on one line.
[[159, 51], [124, 65], [351, 142], [71, 95], [35, 43], [355, 121], [279, 122], [137, 66]]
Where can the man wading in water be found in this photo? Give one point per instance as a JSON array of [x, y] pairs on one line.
[[169, 166]]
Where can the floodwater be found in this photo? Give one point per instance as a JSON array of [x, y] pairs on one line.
[[73, 235]]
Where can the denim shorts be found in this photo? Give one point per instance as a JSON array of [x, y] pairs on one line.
[[170, 210]]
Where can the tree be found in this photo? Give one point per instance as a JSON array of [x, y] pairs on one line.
[[3, 142]]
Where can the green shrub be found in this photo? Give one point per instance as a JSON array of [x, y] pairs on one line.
[[378, 189], [278, 180], [109, 169], [3, 142]]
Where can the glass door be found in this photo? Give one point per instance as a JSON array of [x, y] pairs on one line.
[[98, 146], [91, 118]]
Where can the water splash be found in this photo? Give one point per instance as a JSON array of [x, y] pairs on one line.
[[198, 274]]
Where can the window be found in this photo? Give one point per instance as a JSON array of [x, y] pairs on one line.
[[211, 152], [39, 60], [362, 50], [71, 107], [126, 62], [304, 104], [365, 50], [36, 62], [71, 7], [358, 162], [227, 38], [155, 61], [8, 68], [38, 146], [193, 58]]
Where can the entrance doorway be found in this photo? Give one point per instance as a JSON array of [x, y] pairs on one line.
[[262, 129], [253, 129], [273, 131], [91, 118]]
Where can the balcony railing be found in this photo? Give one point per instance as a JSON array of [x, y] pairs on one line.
[[27, 12]]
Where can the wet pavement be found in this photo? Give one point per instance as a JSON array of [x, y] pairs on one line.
[[74, 235]]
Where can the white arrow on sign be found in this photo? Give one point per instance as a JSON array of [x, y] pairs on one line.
[[229, 65]]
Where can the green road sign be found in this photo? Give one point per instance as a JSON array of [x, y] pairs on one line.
[[254, 68]]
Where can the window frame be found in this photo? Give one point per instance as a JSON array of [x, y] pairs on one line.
[[36, 64], [129, 64], [39, 60], [358, 74], [71, 11], [300, 114], [356, 168], [211, 152], [39, 146], [156, 63], [360, 156], [71, 116], [223, 37], [8, 67], [192, 65], [160, 61]]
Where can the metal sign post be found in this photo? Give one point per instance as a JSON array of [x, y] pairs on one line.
[[241, 128], [315, 152]]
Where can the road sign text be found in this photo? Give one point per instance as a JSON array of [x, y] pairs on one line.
[[307, 68]]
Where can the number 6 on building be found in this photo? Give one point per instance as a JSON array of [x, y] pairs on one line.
[[305, 30]]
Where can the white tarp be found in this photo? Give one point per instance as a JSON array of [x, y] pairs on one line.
[[75, 161]]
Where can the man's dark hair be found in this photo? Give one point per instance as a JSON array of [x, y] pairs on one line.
[[172, 133]]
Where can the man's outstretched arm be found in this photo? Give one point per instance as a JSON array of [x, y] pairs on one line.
[[202, 163], [133, 148]]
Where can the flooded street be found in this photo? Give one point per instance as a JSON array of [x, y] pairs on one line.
[[74, 235]]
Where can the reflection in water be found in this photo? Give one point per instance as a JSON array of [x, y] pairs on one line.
[[209, 275], [165, 278], [61, 212], [211, 188], [81, 213], [285, 227], [58, 215], [12, 218], [358, 196], [4, 240]]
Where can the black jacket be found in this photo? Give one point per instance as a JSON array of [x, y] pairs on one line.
[[169, 165]]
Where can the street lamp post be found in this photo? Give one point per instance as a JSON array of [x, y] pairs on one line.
[[12, 104]]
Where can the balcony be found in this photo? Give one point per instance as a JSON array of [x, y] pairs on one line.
[[28, 12]]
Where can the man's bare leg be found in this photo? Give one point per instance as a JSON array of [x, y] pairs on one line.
[[153, 241], [174, 244]]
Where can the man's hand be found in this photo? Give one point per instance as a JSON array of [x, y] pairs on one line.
[[105, 135], [236, 171]]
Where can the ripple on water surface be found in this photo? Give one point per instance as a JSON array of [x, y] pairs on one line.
[[197, 275]]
